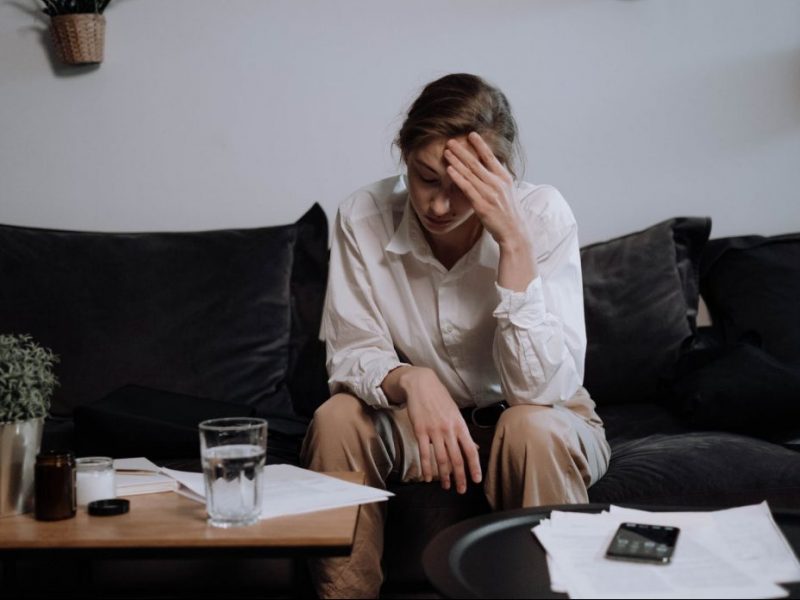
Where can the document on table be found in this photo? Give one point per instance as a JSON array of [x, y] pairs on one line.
[[290, 490], [748, 533], [134, 476], [734, 553]]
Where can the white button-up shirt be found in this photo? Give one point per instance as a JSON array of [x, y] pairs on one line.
[[390, 302]]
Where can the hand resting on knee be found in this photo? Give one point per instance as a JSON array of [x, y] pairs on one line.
[[440, 429]]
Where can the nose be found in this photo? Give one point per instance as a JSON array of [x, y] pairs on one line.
[[441, 204]]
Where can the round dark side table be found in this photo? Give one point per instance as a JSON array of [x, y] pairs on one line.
[[497, 556]]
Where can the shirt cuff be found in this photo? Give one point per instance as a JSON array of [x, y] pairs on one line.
[[525, 310], [373, 393]]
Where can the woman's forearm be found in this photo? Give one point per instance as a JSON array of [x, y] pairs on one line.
[[394, 385], [517, 266]]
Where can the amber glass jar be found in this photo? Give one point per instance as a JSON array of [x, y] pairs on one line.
[[55, 485]]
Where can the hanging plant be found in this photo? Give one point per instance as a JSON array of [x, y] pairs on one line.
[[74, 7], [78, 28]]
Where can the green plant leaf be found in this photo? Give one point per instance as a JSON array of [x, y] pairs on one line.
[[27, 380]]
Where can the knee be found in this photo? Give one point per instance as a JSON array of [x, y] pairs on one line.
[[341, 437], [339, 412], [340, 422], [537, 428]]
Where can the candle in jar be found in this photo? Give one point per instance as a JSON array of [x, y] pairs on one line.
[[94, 479]]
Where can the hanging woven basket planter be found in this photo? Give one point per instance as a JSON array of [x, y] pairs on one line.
[[79, 38]]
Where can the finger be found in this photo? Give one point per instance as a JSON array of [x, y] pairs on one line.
[[470, 451], [443, 462], [457, 461], [470, 191], [425, 457], [487, 155], [470, 159], [482, 188]]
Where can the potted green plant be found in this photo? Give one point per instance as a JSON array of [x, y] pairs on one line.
[[27, 382], [78, 28]]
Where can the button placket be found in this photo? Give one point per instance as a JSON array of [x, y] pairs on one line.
[[445, 322]]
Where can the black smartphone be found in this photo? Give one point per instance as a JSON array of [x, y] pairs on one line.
[[643, 543]]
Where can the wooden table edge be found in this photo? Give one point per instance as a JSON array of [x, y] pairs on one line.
[[219, 540]]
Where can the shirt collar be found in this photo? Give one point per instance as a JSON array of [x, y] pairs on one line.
[[409, 238], [400, 242]]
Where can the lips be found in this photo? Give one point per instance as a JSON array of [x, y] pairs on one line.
[[438, 222]]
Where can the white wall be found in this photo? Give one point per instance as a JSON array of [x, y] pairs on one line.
[[211, 114]]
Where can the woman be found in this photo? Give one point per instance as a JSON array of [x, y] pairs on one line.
[[454, 328]]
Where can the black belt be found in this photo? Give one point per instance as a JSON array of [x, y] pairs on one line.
[[484, 416]]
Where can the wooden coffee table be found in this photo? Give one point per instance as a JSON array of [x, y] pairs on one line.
[[169, 525]]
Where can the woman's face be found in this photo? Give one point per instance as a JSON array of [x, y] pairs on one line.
[[441, 206]]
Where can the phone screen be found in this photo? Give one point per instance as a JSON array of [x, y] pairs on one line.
[[647, 543]]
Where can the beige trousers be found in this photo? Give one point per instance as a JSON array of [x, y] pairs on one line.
[[536, 455]]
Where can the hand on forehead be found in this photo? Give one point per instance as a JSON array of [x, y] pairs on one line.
[[432, 154]]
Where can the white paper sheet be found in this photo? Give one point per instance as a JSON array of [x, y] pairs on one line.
[[139, 463], [748, 533], [135, 476], [701, 567], [290, 490]]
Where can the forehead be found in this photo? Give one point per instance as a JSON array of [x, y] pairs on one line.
[[432, 152]]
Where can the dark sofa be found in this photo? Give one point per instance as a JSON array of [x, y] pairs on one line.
[[158, 330]]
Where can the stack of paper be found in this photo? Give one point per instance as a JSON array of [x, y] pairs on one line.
[[290, 490], [733, 553], [140, 476]]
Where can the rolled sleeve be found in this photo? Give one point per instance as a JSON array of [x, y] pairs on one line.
[[540, 339], [521, 309], [359, 348], [362, 373]]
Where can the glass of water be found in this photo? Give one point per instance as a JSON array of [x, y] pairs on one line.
[[233, 452]]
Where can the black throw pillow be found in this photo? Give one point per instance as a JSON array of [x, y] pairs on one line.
[[738, 388], [207, 314], [640, 299], [307, 376], [752, 287]]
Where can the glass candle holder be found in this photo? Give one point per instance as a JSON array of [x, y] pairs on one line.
[[95, 479]]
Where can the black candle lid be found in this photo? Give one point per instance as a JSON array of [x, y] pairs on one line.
[[105, 508]]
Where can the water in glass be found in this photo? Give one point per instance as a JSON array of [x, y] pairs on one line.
[[233, 483]]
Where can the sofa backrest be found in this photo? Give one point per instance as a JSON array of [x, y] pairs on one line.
[[224, 315]]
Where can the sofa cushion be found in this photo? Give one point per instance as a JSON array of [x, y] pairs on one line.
[[640, 299], [699, 469], [738, 388], [206, 314], [633, 421], [139, 421], [752, 287]]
